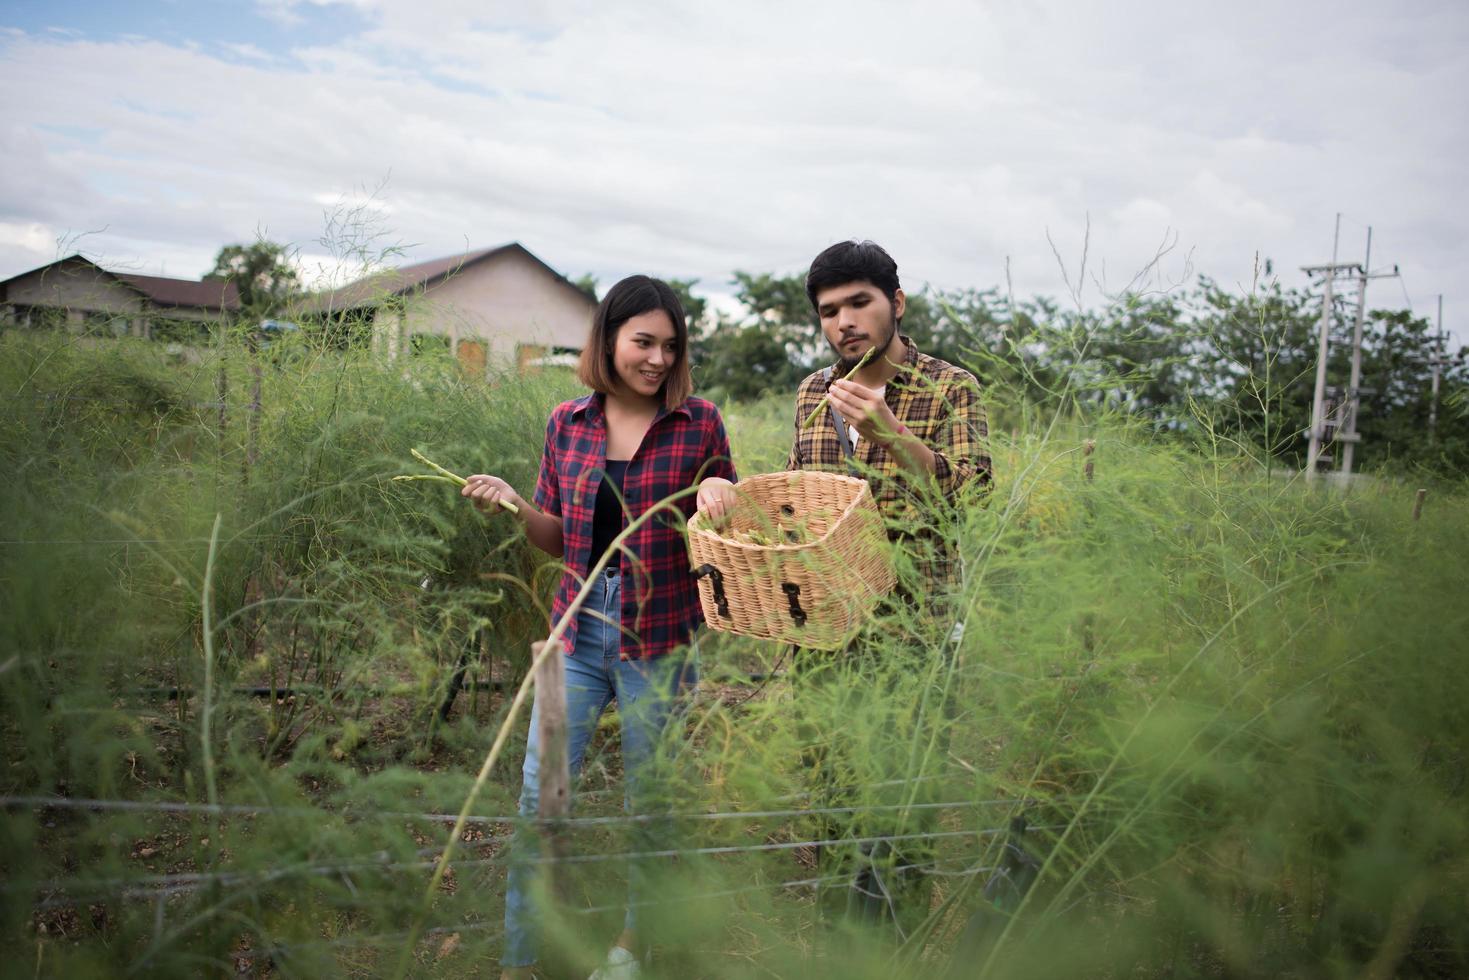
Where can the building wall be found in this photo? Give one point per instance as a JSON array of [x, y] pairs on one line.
[[508, 302], [78, 289], [89, 298]]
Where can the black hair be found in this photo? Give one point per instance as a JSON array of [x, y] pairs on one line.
[[845, 262], [632, 297]]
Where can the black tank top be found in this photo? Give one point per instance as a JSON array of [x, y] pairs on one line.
[[607, 518]]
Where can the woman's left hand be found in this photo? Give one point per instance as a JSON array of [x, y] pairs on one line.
[[716, 498]]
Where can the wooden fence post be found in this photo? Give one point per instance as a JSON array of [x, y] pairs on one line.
[[555, 769], [1418, 503]]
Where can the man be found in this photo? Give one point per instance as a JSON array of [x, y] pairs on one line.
[[912, 424], [914, 427]]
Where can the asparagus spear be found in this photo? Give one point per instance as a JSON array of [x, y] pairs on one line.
[[821, 405], [447, 477]]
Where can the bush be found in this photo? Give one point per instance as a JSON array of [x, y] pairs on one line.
[[1230, 707]]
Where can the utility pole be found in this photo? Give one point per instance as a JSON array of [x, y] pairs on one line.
[[1318, 402], [1348, 435], [1437, 366]]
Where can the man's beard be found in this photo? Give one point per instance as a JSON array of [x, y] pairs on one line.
[[848, 363]]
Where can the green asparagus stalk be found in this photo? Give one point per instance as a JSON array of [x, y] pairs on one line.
[[426, 477], [445, 476], [821, 405]]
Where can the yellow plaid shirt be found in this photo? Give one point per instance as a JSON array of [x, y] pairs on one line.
[[940, 404]]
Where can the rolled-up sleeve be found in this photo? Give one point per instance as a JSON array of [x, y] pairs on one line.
[[720, 459], [548, 483]]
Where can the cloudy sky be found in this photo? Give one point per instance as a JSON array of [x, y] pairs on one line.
[[691, 139]]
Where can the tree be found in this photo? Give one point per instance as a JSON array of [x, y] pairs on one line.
[[1140, 355], [778, 299], [263, 275], [1240, 366], [958, 326], [587, 283], [694, 307], [1398, 350], [771, 349]]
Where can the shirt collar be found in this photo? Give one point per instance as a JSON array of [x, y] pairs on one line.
[[591, 405], [905, 372]]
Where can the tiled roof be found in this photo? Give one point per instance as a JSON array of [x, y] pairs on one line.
[[209, 294], [212, 294], [373, 289]]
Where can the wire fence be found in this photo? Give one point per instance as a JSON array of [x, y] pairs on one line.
[[282, 952], [227, 809], [66, 892], [164, 885], [359, 940]]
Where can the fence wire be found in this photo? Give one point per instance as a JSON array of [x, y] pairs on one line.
[[65, 892], [245, 809], [376, 938]]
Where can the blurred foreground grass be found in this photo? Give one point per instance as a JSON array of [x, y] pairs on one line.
[[1233, 708]]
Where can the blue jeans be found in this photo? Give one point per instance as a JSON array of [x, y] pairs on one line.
[[645, 691]]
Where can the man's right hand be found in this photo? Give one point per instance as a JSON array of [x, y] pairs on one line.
[[486, 492]]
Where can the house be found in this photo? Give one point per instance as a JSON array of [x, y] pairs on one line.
[[502, 304], [78, 295]]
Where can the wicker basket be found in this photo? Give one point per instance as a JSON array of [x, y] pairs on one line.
[[814, 593]]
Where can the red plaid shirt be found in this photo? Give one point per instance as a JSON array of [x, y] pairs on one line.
[[660, 601]]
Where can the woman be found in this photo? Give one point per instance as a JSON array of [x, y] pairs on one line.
[[611, 455]]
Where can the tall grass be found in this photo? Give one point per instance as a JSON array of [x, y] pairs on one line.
[[1232, 709]]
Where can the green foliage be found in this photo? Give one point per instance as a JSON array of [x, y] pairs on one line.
[[694, 307], [262, 272], [777, 299], [1231, 706], [769, 352], [1246, 361], [745, 361], [587, 283]]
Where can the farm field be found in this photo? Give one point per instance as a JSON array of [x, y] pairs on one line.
[[1231, 708]]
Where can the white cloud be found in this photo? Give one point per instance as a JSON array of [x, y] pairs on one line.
[[249, 51], [32, 239], [695, 140], [284, 11]]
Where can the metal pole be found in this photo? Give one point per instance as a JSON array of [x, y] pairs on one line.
[[1318, 424], [1354, 399], [1317, 402], [1437, 364]]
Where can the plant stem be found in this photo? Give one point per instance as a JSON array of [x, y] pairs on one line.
[[448, 476], [552, 646], [206, 709], [826, 398]]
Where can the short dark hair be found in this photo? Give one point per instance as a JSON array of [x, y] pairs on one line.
[[852, 261], [632, 297]]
